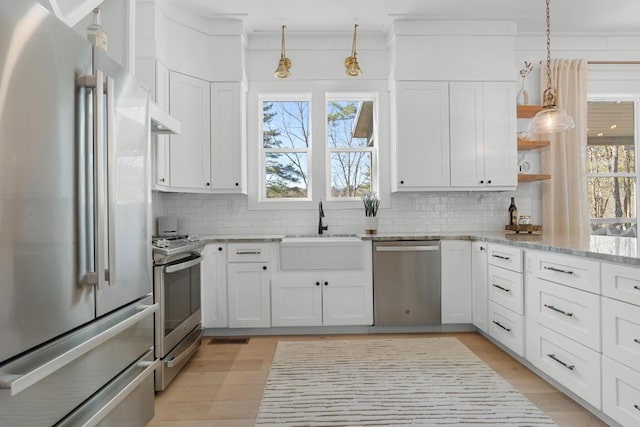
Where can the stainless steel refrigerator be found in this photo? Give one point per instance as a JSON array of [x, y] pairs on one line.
[[76, 311]]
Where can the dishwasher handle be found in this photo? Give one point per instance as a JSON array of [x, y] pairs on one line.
[[407, 248]]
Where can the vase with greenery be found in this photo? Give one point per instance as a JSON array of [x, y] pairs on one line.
[[371, 205], [523, 96]]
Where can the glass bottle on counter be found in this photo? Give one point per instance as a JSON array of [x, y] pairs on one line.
[[513, 212], [95, 33]]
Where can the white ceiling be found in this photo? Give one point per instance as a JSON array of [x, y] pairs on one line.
[[567, 16]]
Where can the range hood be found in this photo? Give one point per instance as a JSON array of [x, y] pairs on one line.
[[162, 122]]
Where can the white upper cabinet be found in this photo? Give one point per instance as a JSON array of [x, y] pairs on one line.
[[189, 102], [483, 135], [421, 135], [228, 131]]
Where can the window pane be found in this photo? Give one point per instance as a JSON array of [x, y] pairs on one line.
[[285, 124], [611, 197], [610, 137], [349, 124], [350, 173], [286, 175]]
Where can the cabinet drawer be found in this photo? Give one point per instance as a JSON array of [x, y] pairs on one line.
[[566, 270], [249, 252], [506, 257], [621, 282], [568, 311], [506, 327], [620, 392], [621, 332], [505, 288], [571, 364]]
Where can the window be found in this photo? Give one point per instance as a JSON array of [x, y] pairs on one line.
[[350, 146], [611, 166], [286, 147]]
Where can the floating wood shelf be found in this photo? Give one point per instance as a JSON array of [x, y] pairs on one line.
[[527, 111], [523, 228], [525, 144], [530, 177]]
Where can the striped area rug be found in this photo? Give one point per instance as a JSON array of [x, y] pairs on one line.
[[389, 382]]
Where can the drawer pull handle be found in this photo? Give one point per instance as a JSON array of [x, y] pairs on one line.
[[637, 407], [254, 252], [502, 326], [501, 288], [506, 258], [636, 340], [636, 287], [550, 307], [558, 270], [569, 367]]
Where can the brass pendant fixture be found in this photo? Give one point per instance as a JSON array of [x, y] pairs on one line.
[[282, 72], [551, 119], [353, 69]]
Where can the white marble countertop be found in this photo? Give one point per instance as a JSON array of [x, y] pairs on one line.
[[607, 248]]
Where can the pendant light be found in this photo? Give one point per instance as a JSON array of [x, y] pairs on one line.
[[282, 72], [353, 69], [550, 119]]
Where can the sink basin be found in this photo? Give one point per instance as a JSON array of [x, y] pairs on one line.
[[321, 252]]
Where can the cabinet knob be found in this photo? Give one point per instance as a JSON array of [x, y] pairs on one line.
[[161, 179], [237, 184], [326, 283], [482, 181], [207, 184], [482, 248], [317, 283], [402, 182], [489, 182], [220, 248], [264, 267]]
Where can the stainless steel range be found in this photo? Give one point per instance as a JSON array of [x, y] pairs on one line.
[[176, 287]]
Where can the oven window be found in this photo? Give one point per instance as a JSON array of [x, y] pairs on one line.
[[182, 296]]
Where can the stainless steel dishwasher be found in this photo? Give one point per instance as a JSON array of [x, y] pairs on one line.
[[406, 283]]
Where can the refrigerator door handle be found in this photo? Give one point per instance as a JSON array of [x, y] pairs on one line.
[[110, 270], [101, 215], [16, 383]]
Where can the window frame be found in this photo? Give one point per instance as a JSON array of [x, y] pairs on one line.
[[262, 186], [636, 175], [375, 173]]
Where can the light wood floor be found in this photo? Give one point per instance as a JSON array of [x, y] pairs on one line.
[[222, 385]]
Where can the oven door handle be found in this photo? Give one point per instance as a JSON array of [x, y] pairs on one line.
[[186, 354], [183, 265]]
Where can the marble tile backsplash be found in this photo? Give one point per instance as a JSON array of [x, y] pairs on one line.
[[206, 214]]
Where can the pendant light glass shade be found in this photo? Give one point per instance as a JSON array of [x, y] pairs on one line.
[[282, 72], [550, 119], [351, 63]]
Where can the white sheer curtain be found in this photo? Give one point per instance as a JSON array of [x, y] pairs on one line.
[[564, 199]]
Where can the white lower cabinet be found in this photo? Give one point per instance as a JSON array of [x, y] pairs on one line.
[[322, 298], [621, 332], [573, 365], [249, 295], [620, 392], [214, 286], [455, 281], [506, 327], [621, 282], [479, 285], [505, 288]]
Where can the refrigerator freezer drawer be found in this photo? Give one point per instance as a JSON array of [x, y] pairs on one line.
[[45, 385], [126, 401]]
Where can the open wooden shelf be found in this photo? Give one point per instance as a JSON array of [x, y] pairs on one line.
[[525, 144], [530, 177], [527, 111]]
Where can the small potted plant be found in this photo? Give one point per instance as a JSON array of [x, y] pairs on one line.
[[371, 204]]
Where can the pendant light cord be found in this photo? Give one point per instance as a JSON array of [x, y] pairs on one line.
[[353, 48], [548, 46], [282, 50]]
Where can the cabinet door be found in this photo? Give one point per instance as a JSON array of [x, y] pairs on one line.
[[214, 287], [296, 300], [422, 135], [456, 281], [466, 115], [347, 299], [249, 295], [227, 137], [191, 150], [500, 135], [161, 146], [479, 284]]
